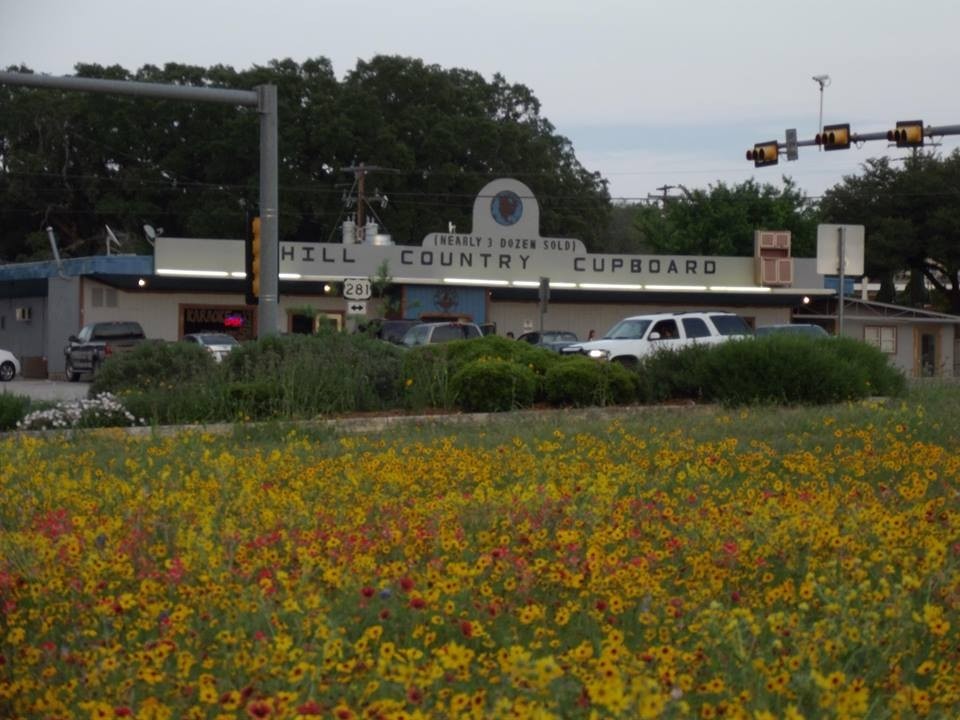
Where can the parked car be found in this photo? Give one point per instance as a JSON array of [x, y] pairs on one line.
[[550, 339], [808, 329], [440, 332], [96, 342], [217, 344], [9, 366], [390, 330], [636, 337]]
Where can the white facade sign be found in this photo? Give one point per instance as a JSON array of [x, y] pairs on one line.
[[503, 248]]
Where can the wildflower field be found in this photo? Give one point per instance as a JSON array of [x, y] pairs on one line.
[[702, 563]]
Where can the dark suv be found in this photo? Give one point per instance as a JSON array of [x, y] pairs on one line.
[[87, 350]]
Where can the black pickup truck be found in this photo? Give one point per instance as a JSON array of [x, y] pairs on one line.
[[86, 350]]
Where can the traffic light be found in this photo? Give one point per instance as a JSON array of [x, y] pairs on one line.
[[834, 137], [763, 154], [909, 133], [253, 262]]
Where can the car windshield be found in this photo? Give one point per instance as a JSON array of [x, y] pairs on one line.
[[216, 339], [628, 330]]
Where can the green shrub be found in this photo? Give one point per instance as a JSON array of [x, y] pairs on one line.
[[154, 364], [12, 409], [672, 374], [426, 377], [788, 369], [581, 382], [308, 375], [490, 384]]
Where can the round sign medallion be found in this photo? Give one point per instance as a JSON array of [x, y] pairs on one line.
[[506, 207]]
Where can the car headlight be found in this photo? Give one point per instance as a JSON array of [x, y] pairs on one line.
[[599, 354]]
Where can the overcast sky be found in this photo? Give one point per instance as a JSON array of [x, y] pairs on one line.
[[650, 92]]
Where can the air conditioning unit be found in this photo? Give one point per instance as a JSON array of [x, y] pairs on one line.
[[24, 314]]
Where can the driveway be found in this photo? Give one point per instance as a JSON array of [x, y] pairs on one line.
[[50, 390]]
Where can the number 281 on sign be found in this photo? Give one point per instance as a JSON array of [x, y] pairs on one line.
[[356, 288]]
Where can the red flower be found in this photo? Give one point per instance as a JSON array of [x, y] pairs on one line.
[[415, 695], [367, 591], [406, 584], [311, 707], [418, 603], [258, 709], [122, 711], [466, 627]]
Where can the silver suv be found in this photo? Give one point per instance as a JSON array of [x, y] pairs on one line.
[[636, 337], [440, 332]]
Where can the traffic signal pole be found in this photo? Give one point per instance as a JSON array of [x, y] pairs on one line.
[[838, 137], [264, 98]]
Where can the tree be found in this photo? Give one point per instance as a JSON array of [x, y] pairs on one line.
[[78, 161], [912, 220], [722, 219]]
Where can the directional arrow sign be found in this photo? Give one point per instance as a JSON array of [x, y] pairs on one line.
[[356, 307]]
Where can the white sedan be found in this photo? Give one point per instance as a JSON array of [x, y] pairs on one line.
[[9, 366], [217, 344]]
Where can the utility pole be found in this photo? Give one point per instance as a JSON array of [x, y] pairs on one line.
[[664, 189]]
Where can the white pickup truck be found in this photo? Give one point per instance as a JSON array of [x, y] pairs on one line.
[[635, 337]]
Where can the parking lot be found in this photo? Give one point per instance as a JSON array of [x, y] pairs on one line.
[[52, 390]]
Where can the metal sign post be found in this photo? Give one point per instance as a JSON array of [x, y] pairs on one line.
[[841, 249]]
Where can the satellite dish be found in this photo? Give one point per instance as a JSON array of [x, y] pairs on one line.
[[112, 240], [152, 233]]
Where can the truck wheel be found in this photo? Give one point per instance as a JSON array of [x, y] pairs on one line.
[[7, 371], [72, 375]]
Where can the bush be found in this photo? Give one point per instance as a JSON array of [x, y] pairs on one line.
[[426, 377], [788, 369], [154, 364], [12, 409], [491, 384], [309, 375], [672, 374], [102, 410], [581, 382]]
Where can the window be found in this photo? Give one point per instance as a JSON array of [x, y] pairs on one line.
[[667, 329], [883, 337], [695, 328]]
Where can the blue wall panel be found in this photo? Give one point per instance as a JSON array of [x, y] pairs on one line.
[[446, 299]]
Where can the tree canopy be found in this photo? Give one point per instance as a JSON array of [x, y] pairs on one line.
[[721, 220], [912, 219], [431, 138]]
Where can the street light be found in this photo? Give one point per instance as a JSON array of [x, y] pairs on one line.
[[822, 81]]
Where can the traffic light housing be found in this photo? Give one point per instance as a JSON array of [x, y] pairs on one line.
[[765, 153], [834, 137], [909, 133], [254, 256]]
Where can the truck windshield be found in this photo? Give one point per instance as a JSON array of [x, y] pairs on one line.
[[628, 330]]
